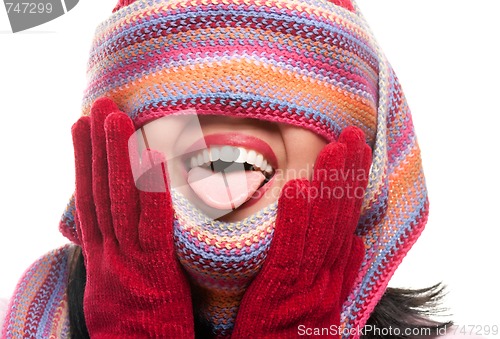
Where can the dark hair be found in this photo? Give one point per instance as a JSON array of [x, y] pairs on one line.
[[408, 312], [398, 309]]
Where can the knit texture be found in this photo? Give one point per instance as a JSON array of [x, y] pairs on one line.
[[38, 307], [221, 258], [307, 63]]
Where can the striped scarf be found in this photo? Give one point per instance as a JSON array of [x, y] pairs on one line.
[[39, 307], [221, 259]]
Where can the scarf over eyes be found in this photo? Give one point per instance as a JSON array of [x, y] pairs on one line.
[[309, 63]]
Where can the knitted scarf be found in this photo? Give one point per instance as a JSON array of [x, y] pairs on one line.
[[310, 63], [221, 259], [39, 307]]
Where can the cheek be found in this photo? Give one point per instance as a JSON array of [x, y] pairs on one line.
[[301, 157], [302, 148]]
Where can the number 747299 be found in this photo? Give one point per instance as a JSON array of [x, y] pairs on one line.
[[29, 7]]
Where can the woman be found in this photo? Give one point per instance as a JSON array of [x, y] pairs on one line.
[[300, 74]]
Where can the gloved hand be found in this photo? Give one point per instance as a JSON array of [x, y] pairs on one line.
[[135, 285], [314, 256]]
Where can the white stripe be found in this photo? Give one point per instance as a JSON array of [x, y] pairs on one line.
[[64, 6]]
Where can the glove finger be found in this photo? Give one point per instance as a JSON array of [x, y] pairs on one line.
[[99, 111], [352, 266], [326, 197], [358, 161], [354, 140], [344, 271], [87, 228], [156, 219], [362, 181], [287, 246], [82, 244], [123, 193]]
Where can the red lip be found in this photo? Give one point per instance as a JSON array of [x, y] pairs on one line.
[[236, 140]]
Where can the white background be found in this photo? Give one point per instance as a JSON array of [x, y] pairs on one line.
[[446, 56]]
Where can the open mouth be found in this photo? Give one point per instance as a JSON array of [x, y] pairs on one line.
[[229, 170]]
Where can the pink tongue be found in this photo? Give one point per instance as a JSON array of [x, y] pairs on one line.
[[212, 189]]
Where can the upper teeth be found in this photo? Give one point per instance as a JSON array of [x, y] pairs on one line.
[[230, 154]]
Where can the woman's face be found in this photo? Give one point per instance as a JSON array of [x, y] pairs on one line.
[[233, 167]]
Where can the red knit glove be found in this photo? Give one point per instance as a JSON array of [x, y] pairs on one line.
[[314, 256], [135, 285]]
